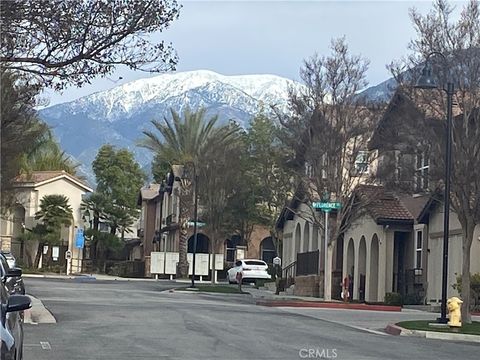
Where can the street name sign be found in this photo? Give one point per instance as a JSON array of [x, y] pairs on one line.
[[326, 206]]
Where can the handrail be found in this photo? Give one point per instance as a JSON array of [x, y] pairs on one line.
[[288, 273], [286, 268]]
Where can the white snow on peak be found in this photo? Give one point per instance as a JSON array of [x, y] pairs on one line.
[[127, 97]]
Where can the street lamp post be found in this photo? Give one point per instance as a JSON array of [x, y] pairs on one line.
[[195, 219], [427, 81]]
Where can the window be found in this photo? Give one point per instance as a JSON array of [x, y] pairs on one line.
[[230, 251], [255, 262], [324, 166], [361, 163], [398, 156], [418, 249], [308, 169], [421, 171]]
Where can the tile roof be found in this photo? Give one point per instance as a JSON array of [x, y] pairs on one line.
[[37, 177], [151, 192], [383, 205], [415, 204]]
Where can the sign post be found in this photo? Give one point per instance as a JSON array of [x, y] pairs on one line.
[[326, 207], [68, 256]]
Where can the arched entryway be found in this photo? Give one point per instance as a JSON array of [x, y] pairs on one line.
[[203, 244], [373, 270], [297, 241], [267, 250], [315, 238], [306, 237], [362, 268], [350, 265]]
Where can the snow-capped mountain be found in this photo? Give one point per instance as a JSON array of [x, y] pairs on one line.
[[119, 115]]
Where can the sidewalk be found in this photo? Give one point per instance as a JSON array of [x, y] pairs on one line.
[[38, 314], [268, 298]]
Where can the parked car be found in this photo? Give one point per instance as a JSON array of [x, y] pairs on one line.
[[13, 282], [251, 270], [11, 319], [11, 261]]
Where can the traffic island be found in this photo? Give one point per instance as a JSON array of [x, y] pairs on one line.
[[428, 329]]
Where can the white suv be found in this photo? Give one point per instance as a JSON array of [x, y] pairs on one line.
[[250, 270]]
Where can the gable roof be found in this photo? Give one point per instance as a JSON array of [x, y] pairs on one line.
[[39, 178], [385, 207], [411, 105], [415, 204]]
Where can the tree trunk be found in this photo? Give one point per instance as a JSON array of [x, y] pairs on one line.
[[469, 227], [39, 254], [182, 269], [214, 278]]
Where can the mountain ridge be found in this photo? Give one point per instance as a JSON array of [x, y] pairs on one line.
[[120, 114]]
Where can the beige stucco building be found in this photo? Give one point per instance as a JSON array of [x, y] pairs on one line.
[[29, 190], [395, 242]]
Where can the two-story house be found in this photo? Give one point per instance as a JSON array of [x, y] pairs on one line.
[[394, 243], [29, 190]]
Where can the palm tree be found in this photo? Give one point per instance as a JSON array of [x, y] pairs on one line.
[[47, 156], [54, 213], [186, 140]]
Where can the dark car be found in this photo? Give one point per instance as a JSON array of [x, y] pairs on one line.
[[14, 282], [11, 318], [11, 261]]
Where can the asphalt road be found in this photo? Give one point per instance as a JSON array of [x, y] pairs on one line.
[[141, 320]]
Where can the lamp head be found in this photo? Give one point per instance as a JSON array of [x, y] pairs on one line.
[[426, 80]]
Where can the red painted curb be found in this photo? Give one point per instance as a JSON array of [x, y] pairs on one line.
[[312, 304], [393, 329]]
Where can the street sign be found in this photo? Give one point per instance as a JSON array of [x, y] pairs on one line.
[[199, 224], [68, 255], [326, 206], [79, 239]]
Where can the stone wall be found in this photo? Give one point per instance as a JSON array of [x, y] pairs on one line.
[[308, 285]]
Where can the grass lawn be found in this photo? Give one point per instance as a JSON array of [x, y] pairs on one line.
[[225, 289], [473, 328]]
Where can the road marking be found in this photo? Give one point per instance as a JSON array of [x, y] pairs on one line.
[[45, 345]]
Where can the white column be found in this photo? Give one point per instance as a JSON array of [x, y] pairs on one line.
[[389, 261], [382, 266]]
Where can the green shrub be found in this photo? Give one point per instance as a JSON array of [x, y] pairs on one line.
[[393, 299], [474, 290], [474, 282]]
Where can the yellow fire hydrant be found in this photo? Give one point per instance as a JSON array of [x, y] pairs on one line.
[[454, 305]]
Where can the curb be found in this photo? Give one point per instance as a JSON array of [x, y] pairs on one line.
[[311, 304], [86, 277], [396, 330], [38, 314]]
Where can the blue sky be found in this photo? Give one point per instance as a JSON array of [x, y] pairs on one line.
[[259, 37]]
